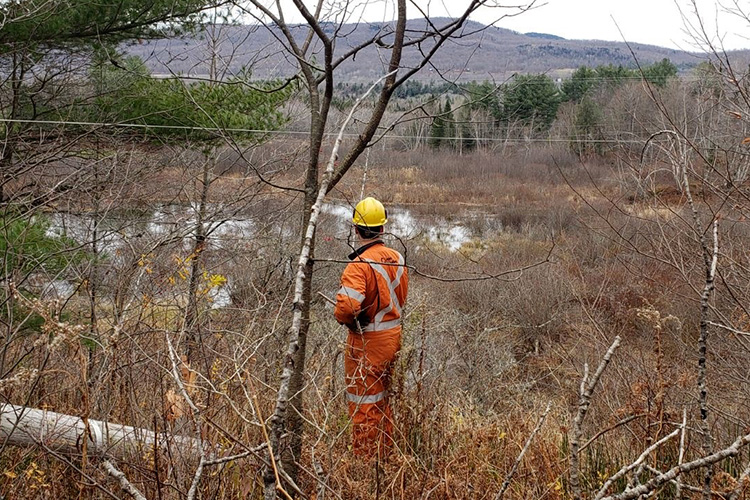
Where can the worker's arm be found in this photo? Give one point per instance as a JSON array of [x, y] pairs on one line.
[[351, 294]]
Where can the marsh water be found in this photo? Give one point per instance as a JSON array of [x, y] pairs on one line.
[[124, 233]]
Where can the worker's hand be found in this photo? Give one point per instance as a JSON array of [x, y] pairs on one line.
[[360, 322], [363, 319]]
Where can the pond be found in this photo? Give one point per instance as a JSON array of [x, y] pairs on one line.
[[406, 225], [173, 222]]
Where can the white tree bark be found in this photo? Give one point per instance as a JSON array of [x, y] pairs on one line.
[[126, 485], [22, 426], [282, 398], [609, 482], [672, 473], [681, 455], [586, 391]]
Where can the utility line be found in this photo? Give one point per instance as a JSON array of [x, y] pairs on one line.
[[328, 134], [466, 86]]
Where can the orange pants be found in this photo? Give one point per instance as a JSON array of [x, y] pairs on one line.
[[368, 363]]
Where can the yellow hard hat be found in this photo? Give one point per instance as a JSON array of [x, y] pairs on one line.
[[369, 213]]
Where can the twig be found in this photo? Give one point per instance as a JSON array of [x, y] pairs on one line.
[[231, 458], [196, 478], [686, 487], [740, 483], [175, 372], [681, 456], [75, 466], [586, 390], [270, 450], [320, 473], [364, 174], [728, 328], [195, 414], [711, 262], [513, 469], [126, 485], [327, 298], [635, 464], [672, 473], [611, 428], [514, 274]]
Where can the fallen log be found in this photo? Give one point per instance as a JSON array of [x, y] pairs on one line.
[[23, 426]]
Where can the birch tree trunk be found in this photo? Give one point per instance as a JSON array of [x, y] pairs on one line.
[[199, 243], [317, 75]]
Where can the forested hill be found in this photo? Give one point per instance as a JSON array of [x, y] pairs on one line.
[[492, 53]]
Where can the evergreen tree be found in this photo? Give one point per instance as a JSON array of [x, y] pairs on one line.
[[41, 42], [66, 23], [587, 130], [482, 96], [442, 132], [468, 142], [531, 100], [437, 131], [182, 110], [579, 84], [659, 73], [450, 125], [615, 75]]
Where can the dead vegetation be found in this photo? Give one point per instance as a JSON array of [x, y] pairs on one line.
[[480, 361]]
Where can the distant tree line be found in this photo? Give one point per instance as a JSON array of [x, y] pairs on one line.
[[529, 105], [407, 90], [585, 79]]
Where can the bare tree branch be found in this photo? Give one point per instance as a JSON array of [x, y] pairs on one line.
[[660, 480], [623, 471], [586, 391], [282, 398], [513, 469], [126, 485]]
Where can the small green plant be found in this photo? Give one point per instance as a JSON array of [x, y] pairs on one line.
[[27, 245]]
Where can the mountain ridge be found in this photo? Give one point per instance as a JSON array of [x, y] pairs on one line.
[[485, 53]]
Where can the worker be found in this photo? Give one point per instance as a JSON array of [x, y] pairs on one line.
[[370, 304]]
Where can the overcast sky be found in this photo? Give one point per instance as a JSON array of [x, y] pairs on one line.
[[656, 22]]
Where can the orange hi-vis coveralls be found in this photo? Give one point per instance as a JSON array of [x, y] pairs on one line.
[[372, 296]]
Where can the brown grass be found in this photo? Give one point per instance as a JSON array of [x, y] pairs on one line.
[[480, 359]]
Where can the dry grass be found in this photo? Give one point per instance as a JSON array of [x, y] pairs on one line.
[[480, 358]]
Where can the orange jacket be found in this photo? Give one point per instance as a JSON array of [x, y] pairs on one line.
[[373, 289]]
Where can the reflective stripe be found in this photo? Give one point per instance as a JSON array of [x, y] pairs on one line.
[[366, 399], [351, 293], [377, 323], [382, 325], [400, 272]]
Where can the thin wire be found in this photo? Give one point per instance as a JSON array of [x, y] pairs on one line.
[[328, 134], [463, 85], [614, 79]]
